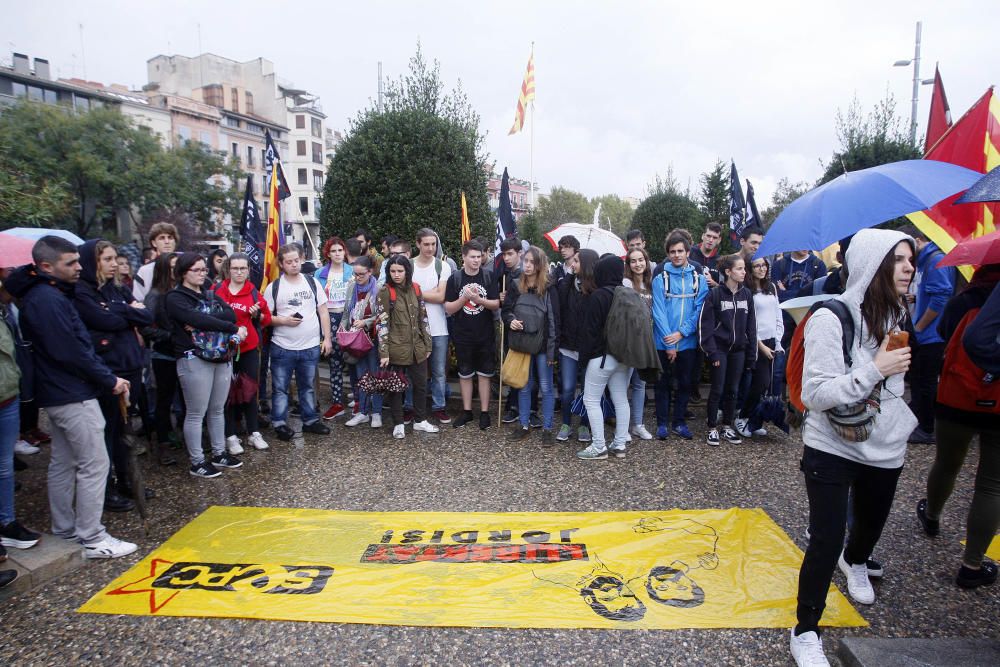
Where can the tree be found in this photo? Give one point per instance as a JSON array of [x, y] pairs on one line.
[[615, 210], [713, 199], [658, 214], [784, 194], [405, 166], [868, 140], [667, 184], [562, 205]]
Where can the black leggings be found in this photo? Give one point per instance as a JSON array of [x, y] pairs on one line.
[[759, 382], [249, 364], [725, 383], [830, 479], [165, 372], [114, 429]]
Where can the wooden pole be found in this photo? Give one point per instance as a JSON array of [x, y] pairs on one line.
[[503, 284]]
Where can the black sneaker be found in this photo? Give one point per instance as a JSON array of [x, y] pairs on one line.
[[521, 433], [7, 576], [984, 576], [3, 554], [547, 438], [114, 502], [875, 569], [484, 421], [205, 469], [931, 526], [284, 433], [17, 536], [534, 421], [316, 427], [407, 417], [226, 460], [462, 420], [295, 410], [509, 417]]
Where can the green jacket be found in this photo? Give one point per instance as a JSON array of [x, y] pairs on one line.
[[10, 374], [403, 334]]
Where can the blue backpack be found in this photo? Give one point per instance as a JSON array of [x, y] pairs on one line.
[[214, 346]]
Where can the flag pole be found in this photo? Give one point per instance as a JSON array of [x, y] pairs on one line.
[[503, 283], [531, 150]]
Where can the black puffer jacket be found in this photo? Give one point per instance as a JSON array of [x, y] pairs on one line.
[[608, 275], [570, 304], [181, 305]]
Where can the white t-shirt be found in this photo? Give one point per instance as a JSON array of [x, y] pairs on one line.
[[428, 280], [140, 288], [295, 296]]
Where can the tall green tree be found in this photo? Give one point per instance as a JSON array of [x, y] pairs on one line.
[[713, 199], [405, 166], [562, 205], [616, 211], [868, 139], [658, 214]]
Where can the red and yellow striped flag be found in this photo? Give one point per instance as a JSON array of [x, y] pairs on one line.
[[527, 95], [466, 231], [272, 238], [972, 142]]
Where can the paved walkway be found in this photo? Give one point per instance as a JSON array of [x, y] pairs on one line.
[[362, 469]]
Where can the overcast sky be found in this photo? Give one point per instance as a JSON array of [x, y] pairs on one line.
[[624, 89]]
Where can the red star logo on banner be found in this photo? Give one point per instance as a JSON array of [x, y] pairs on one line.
[[154, 605]]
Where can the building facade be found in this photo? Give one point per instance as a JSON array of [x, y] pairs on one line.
[[520, 193], [305, 162]]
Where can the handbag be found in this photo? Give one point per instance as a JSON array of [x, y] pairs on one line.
[[391, 381], [355, 342], [855, 422], [514, 372], [578, 408]]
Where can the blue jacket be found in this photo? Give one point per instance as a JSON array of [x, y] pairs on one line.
[[677, 309], [66, 368], [982, 337], [934, 288]]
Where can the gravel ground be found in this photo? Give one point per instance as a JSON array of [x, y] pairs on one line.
[[469, 470]]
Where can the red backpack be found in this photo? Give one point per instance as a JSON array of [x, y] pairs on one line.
[[963, 385], [796, 412]]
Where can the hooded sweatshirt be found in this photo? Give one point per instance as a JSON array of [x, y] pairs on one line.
[[826, 383], [66, 368], [109, 318], [241, 303], [608, 274], [570, 313], [727, 323], [678, 308]]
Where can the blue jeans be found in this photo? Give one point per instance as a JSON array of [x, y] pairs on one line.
[[540, 372], [368, 364], [637, 397], [683, 370], [569, 374], [304, 364], [10, 423], [437, 366]]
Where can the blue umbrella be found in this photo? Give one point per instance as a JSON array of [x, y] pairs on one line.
[[38, 232], [985, 189], [862, 199]]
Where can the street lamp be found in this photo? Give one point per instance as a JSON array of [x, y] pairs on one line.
[[916, 84]]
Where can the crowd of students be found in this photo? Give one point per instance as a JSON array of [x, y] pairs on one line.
[[80, 342]]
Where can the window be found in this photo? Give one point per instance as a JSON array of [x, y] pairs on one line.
[[65, 98], [317, 153], [183, 133], [303, 176], [236, 151], [20, 90], [212, 95], [206, 138], [263, 158], [232, 122], [255, 128], [5, 87], [304, 205], [50, 96], [35, 94], [317, 179], [83, 104], [236, 100], [250, 156], [263, 188], [300, 122], [317, 128], [300, 147], [316, 208], [248, 101]]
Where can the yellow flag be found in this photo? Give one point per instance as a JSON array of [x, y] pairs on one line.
[[466, 231]]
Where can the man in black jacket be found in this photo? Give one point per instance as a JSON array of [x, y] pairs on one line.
[[69, 377]]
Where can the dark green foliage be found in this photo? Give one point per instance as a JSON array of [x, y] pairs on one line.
[[713, 199], [660, 213], [404, 167]]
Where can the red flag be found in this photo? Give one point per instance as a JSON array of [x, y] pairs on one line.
[[972, 142], [940, 117]]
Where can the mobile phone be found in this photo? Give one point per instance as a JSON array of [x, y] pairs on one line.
[[897, 340], [297, 316]]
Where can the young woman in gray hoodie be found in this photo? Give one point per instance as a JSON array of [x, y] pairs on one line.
[[881, 264]]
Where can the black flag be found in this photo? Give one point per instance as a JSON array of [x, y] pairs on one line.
[[250, 230], [271, 157], [737, 205], [753, 217]]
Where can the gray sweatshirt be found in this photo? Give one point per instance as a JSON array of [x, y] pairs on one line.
[[827, 384]]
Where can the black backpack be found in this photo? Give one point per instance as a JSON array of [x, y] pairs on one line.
[[532, 310]]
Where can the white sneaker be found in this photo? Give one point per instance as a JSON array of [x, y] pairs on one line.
[[360, 418], [109, 547], [257, 440], [233, 445], [858, 584], [639, 430], [761, 432], [807, 649], [399, 431], [376, 421], [425, 426], [741, 427], [26, 448]]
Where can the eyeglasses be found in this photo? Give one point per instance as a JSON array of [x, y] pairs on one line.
[[201, 270], [234, 269]]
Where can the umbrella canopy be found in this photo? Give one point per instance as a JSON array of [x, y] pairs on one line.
[[985, 189], [976, 251], [14, 250], [599, 240], [861, 199], [35, 233], [799, 306]]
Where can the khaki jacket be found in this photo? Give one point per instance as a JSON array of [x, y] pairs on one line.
[[403, 334]]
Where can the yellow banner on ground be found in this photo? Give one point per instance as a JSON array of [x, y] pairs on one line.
[[664, 569]]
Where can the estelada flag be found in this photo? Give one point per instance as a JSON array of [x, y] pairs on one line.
[[466, 231], [273, 240], [940, 117], [972, 142], [527, 95]]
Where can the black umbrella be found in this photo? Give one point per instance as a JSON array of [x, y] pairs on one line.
[[985, 189]]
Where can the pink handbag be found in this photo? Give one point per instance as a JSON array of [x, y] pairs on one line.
[[354, 342]]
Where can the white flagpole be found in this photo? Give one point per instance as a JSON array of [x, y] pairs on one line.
[[531, 155]]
